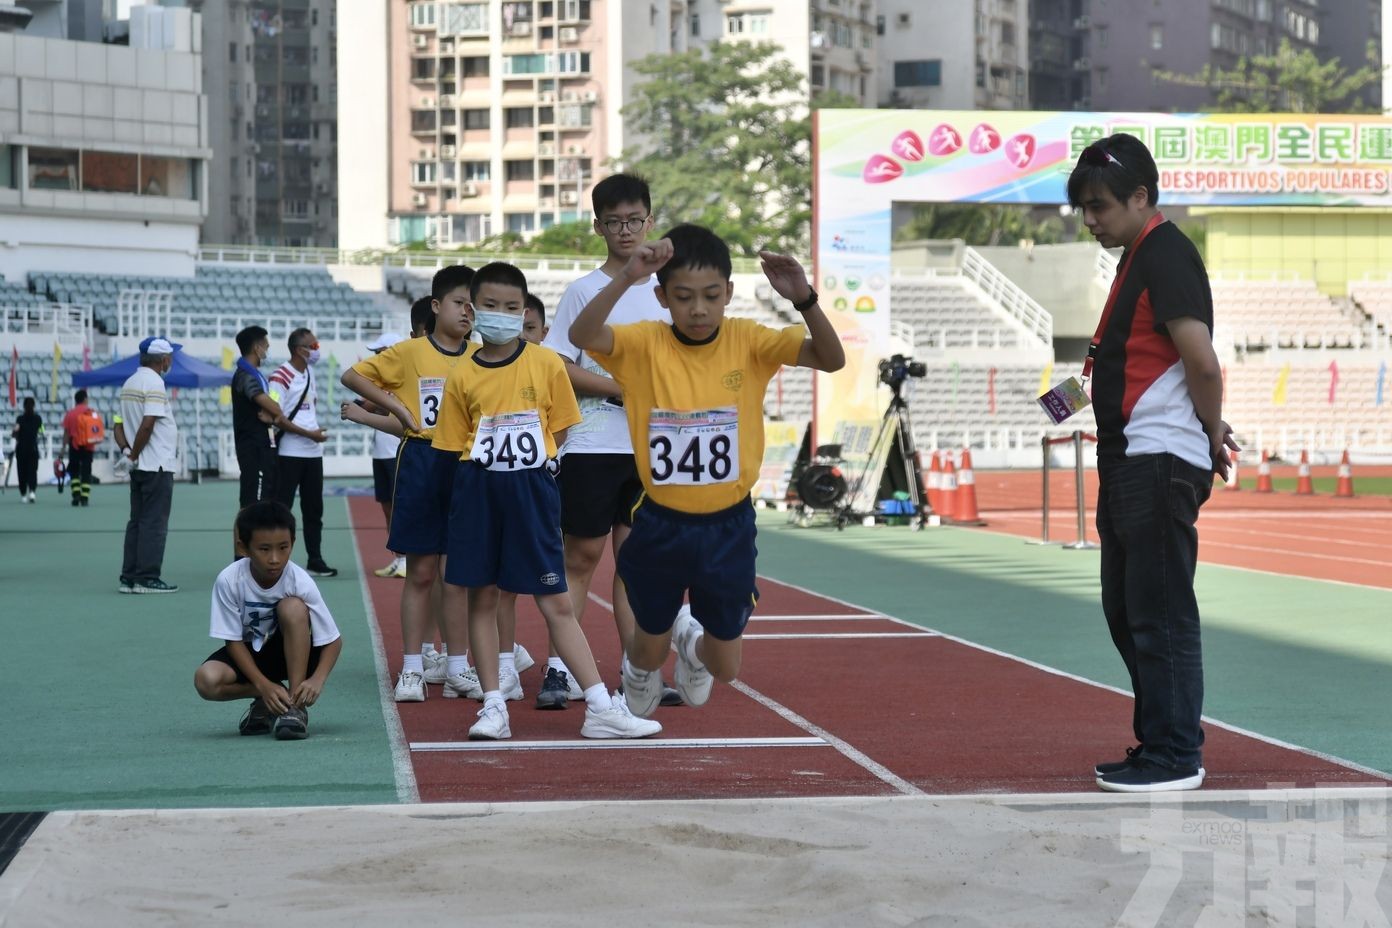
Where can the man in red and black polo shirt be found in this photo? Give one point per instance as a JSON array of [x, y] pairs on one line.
[[1157, 390]]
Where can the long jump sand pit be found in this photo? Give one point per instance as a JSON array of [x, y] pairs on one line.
[[1277, 857]]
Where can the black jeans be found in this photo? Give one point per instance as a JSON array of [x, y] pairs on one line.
[[258, 463], [1146, 510], [151, 494], [307, 476]]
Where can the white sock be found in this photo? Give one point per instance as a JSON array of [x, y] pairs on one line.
[[456, 665], [413, 663], [558, 665], [597, 698], [506, 662], [634, 674], [494, 697], [427, 648], [689, 652]]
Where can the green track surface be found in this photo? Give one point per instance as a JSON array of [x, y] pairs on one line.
[[100, 710], [1299, 660]]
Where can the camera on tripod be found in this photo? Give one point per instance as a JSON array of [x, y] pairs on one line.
[[895, 369]]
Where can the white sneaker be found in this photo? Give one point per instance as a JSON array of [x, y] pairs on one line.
[[617, 722], [693, 681], [465, 685], [436, 666], [389, 570], [642, 695], [31, 496], [492, 724], [510, 684], [522, 659], [410, 687]]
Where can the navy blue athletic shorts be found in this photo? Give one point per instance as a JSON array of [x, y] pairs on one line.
[[421, 502], [709, 556], [383, 479], [505, 530]]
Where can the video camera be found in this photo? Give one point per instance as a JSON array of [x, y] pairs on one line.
[[894, 370]]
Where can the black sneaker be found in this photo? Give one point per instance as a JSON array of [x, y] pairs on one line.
[[293, 725], [1133, 755], [153, 586], [1146, 776], [555, 690], [320, 569], [257, 720], [670, 697], [127, 585]]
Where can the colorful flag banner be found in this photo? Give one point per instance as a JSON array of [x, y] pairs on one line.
[[229, 361], [1333, 380], [1278, 396], [53, 381]]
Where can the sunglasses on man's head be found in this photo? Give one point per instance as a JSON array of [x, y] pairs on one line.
[[1096, 154]]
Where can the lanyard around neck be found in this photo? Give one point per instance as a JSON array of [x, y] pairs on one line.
[[1116, 289]]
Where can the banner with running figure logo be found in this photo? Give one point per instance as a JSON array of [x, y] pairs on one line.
[[867, 160]]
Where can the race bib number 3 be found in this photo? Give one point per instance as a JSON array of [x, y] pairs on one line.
[[694, 448], [511, 441], [432, 391]]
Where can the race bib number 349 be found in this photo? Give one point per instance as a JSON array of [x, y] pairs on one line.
[[511, 441], [694, 448]]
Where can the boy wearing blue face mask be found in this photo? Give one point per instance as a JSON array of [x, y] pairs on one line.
[[505, 410], [301, 444]]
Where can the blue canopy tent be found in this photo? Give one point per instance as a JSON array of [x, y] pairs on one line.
[[186, 372]]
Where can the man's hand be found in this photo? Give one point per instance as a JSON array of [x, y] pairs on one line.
[[786, 276], [1220, 442], [319, 435], [647, 259], [274, 696], [307, 693]]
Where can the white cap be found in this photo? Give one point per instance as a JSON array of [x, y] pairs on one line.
[[157, 345], [384, 341]]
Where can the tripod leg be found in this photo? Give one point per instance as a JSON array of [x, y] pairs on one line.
[[913, 473]]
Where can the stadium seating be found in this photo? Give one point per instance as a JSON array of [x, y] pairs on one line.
[[1375, 298], [945, 313], [1257, 314]]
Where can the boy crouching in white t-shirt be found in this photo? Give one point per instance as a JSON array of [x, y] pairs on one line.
[[276, 628]]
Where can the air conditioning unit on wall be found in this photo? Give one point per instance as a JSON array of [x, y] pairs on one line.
[[420, 40], [418, 200], [569, 197]]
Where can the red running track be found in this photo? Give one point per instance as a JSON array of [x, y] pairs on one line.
[[961, 719]]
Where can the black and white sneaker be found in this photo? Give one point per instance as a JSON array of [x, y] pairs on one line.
[[1146, 776], [1133, 755], [555, 690], [293, 725], [257, 720], [320, 569], [153, 586]]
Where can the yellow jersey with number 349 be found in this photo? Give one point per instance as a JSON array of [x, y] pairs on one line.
[[414, 371], [696, 410]]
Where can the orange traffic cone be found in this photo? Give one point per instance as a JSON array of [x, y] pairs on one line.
[[1345, 488], [934, 488], [1264, 475], [1303, 486], [947, 495], [965, 512], [1234, 482]]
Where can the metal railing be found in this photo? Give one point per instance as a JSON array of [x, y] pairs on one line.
[[69, 324], [1008, 295], [1106, 268], [140, 312]]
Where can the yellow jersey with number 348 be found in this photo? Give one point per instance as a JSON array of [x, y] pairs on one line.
[[696, 410], [414, 371]]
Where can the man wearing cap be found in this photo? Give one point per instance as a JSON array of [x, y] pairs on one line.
[[147, 436]]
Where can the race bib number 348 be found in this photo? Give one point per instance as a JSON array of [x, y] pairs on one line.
[[694, 448]]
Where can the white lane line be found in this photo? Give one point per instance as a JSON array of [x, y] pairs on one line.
[[855, 756], [820, 617], [1337, 558], [405, 774], [814, 636], [590, 744]]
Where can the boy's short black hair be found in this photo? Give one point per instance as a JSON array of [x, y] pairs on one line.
[[80, 397], [450, 278], [1120, 163], [499, 272], [28, 404], [693, 247], [296, 337], [267, 514], [248, 337], [534, 303], [620, 188], [423, 315]]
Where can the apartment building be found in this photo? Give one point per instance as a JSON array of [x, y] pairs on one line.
[[961, 56], [1106, 54]]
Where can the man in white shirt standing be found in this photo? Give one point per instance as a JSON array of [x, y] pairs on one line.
[[301, 445], [598, 478], [148, 437]]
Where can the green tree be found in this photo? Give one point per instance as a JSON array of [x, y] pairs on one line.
[[725, 142], [980, 224], [1288, 81]]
